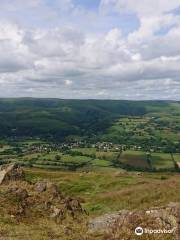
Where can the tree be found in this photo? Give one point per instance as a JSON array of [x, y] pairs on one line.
[[57, 157]]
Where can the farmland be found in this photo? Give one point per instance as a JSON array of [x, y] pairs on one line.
[[110, 155], [50, 156], [145, 131]]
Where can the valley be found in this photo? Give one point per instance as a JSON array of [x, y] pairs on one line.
[[110, 156]]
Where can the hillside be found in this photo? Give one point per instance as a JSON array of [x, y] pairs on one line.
[[97, 134], [60, 119], [88, 166], [41, 204]]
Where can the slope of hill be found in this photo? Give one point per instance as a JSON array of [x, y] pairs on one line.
[[58, 119], [41, 204]]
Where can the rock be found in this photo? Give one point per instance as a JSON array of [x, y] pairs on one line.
[[20, 193], [19, 196], [69, 207], [10, 172], [167, 217], [26, 200], [51, 187], [47, 205], [45, 186], [105, 222], [53, 191], [40, 187], [57, 213], [2, 176], [73, 205]]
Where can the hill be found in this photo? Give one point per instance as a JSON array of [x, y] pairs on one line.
[[95, 206], [62, 119]]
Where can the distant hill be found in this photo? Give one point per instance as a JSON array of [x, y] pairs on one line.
[[59, 119]]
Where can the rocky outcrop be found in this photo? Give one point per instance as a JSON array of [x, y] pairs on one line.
[[40, 187], [10, 172], [43, 198], [106, 221], [167, 217]]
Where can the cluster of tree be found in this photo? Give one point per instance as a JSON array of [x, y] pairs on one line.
[[59, 119]]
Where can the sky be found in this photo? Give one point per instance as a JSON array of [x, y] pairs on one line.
[[90, 49]]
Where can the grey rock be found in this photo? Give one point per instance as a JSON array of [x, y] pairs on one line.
[[10, 172], [167, 217], [40, 187]]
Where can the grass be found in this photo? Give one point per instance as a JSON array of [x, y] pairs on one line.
[[99, 192], [101, 163], [134, 158], [159, 125], [177, 157], [42, 229], [158, 160], [88, 151], [92, 159], [109, 191], [161, 160]]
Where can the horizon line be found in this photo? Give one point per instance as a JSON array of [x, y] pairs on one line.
[[91, 99]]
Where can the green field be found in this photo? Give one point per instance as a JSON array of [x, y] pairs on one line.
[[87, 158], [157, 160], [152, 130], [162, 160], [134, 158]]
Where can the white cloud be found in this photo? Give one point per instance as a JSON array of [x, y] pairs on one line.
[[64, 61], [68, 82]]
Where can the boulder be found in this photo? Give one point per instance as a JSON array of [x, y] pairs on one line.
[[106, 221], [40, 187], [49, 187], [10, 172], [167, 217]]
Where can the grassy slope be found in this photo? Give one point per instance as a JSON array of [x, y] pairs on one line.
[[100, 193], [110, 190]]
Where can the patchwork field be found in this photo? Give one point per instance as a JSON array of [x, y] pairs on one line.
[[163, 160], [85, 158], [140, 159], [135, 159], [151, 131]]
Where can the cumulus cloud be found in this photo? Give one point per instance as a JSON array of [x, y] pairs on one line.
[[66, 61]]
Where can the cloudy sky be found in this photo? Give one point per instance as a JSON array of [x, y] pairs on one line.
[[118, 49]]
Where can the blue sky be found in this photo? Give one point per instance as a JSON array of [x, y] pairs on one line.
[[118, 49], [94, 4]]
